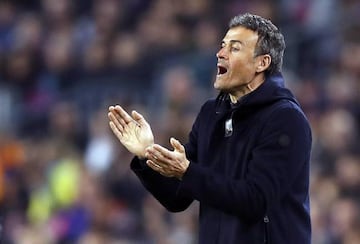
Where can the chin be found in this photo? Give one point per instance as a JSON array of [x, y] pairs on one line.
[[218, 85]]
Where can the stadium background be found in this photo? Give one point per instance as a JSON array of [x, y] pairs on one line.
[[63, 176]]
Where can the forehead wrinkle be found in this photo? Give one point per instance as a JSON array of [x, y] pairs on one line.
[[242, 35], [232, 41]]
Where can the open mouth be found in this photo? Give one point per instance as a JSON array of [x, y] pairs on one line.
[[221, 70]]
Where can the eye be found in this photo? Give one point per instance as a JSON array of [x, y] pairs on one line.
[[235, 49]]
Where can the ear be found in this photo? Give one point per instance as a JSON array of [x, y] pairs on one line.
[[263, 62]]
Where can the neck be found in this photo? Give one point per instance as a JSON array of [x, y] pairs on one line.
[[246, 89]]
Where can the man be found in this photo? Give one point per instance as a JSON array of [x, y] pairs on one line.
[[247, 159]]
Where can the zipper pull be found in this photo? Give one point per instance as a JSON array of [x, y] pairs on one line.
[[228, 127], [266, 219]]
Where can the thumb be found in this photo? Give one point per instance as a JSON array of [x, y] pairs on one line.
[[177, 145], [138, 117]]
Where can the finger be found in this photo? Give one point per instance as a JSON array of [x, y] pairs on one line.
[[156, 167], [115, 121], [115, 129], [112, 115], [177, 145], [153, 165], [138, 117], [119, 120], [150, 155], [161, 152], [117, 115], [123, 114]]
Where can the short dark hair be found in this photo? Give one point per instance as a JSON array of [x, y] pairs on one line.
[[270, 40]]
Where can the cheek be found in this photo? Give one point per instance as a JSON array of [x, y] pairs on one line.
[[242, 69]]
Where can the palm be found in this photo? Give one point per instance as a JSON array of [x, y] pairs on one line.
[[136, 138], [133, 132]]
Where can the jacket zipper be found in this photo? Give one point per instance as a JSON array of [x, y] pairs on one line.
[[266, 230]]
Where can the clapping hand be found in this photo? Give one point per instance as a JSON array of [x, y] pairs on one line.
[[133, 131], [168, 163]]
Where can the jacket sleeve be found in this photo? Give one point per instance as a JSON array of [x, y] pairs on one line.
[[165, 189], [282, 150]]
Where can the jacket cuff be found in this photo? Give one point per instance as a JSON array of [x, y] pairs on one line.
[[138, 164], [189, 179]]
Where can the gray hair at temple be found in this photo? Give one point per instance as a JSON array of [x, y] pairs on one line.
[[270, 40]]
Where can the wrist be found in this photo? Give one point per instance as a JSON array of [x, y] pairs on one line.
[[186, 166], [142, 155]]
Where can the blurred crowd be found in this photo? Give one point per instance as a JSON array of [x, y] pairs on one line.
[[63, 176]]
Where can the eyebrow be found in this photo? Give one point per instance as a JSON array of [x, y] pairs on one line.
[[233, 41]]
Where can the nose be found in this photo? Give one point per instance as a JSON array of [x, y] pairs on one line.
[[221, 54]]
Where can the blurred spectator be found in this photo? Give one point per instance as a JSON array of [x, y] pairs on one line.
[[344, 218], [100, 148]]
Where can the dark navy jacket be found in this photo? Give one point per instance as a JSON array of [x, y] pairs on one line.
[[252, 181]]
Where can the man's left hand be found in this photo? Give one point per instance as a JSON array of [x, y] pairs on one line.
[[168, 163]]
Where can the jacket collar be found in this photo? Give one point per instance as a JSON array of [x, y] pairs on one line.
[[270, 91]]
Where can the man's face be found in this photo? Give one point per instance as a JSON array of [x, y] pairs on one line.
[[236, 60]]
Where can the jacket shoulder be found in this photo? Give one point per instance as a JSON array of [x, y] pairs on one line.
[[209, 105]]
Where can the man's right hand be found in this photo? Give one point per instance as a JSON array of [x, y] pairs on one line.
[[133, 132]]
